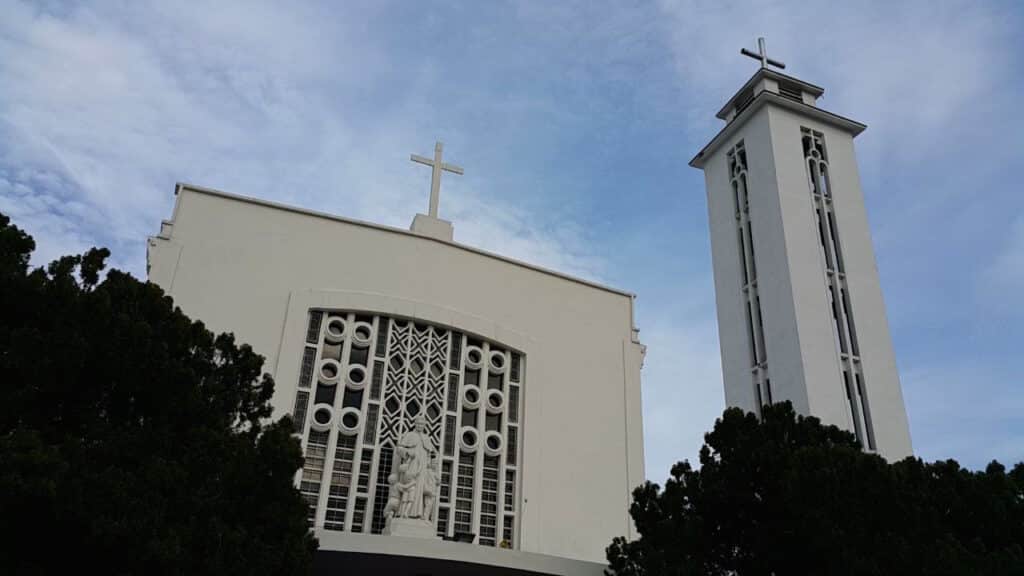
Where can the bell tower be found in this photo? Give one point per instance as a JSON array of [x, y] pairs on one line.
[[800, 309]]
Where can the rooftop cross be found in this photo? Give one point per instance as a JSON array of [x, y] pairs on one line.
[[762, 55], [435, 178]]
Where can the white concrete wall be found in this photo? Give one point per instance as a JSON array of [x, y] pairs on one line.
[[782, 339], [235, 264], [803, 362], [878, 361]]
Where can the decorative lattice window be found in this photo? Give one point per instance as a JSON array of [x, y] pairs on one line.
[[837, 291], [367, 378], [751, 300]]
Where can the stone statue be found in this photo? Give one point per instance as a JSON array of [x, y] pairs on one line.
[[414, 480], [430, 483]]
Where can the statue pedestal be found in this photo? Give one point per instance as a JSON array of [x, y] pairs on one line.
[[412, 528]]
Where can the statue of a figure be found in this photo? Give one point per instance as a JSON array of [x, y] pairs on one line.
[[430, 483], [414, 480]]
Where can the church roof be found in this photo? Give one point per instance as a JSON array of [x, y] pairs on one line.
[[316, 214]]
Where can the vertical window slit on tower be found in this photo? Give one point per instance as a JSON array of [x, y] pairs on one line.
[[743, 255], [812, 174], [753, 339], [837, 288], [835, 241], [833, 300], [762, 353], [753, 260], [824, 243], [854, 347], [737, 165], [854, 410], [866, 411], [736, 197]]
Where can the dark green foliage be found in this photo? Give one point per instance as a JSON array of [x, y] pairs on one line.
[[132, 439], [786, 495]]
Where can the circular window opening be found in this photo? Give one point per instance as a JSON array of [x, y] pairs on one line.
[[472, 396], [329, 371], [498, 360], [469, 438], [474, 356], [322, 416], [493, 443], [350, 420], [362, 333], [357, 376], [494, 400], [335, 329]]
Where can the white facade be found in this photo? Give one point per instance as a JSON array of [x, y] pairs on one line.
[[528, 380], [800, 310]]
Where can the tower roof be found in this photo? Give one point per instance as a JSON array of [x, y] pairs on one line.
[[762, 73], [786, 91]]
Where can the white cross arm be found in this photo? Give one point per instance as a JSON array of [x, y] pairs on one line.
[[444, 165]]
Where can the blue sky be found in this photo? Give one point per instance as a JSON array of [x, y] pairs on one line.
[[574, 122]]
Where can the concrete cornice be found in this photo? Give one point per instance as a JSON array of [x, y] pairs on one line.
[[313, 213], [812, 89], [762, 99]]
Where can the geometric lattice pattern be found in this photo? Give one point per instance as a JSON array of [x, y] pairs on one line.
[[844, 330], [737, 159], [364, 380]]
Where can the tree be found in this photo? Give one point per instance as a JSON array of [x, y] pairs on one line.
[[785, 495], [132, 439]]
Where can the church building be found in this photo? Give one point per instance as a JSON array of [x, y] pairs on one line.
[[462, 412], [456, 408]]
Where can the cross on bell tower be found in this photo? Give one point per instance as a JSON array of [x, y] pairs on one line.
[[762, 55]]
